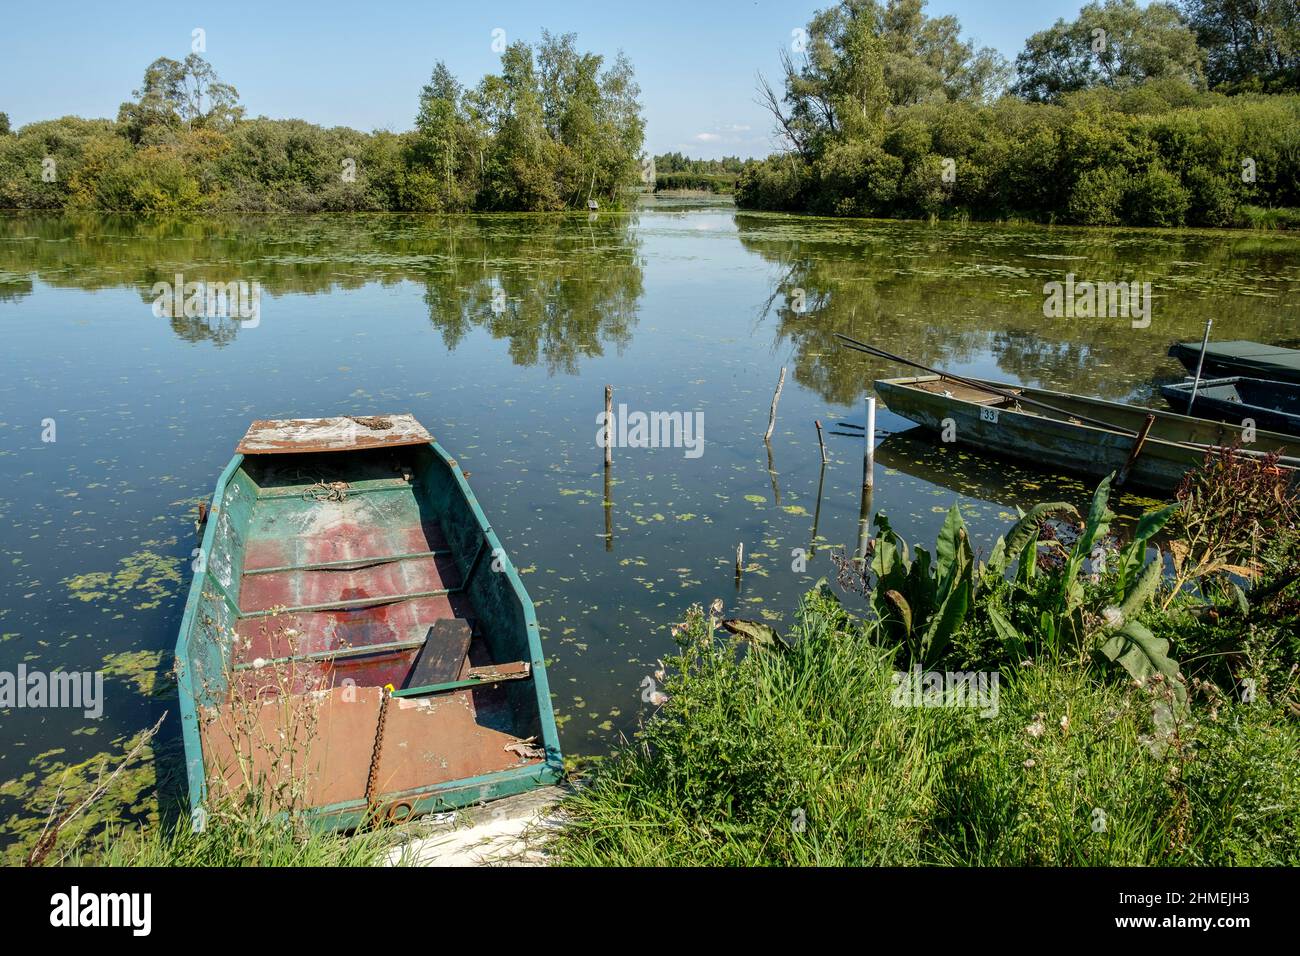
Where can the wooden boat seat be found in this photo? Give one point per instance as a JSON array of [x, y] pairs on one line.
[[442, 656]]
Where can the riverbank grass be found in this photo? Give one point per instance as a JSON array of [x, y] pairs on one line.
[[231, 839], [1081, 739], [801, 759]]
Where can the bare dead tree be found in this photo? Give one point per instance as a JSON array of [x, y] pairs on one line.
[[768, 100]]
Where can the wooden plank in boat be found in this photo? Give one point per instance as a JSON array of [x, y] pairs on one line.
[[964, 393], [342, 433], [445, 648]]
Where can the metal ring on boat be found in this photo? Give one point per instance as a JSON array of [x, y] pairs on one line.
[[391, 814]]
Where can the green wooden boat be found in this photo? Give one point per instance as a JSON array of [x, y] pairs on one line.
[[1073, 439], [1241, 358], [356, 644]]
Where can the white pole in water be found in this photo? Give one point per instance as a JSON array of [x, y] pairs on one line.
[[869, 451], [1205, 344], [868, 481]]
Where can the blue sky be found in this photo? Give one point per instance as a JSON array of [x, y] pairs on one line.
[[362, 64]]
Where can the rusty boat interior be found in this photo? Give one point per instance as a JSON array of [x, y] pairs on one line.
[[356, 644]]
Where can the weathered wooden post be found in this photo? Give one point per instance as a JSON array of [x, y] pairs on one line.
[[771, 415], [817, 511], [609, 425], [609, 461], [820, 440], [609, 511]]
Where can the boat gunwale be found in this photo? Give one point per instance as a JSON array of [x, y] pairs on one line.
[[191, 740], [1186, 384]]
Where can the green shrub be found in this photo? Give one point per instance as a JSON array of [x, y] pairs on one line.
[[856, 179], [1213, 198], [1097, 198], [779, 183], [1156, 198]]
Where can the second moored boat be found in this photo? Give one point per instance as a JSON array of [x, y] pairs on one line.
[[1147, 447]]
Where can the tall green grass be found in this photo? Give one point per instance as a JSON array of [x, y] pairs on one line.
[[243, 839], [1255, 217], [799, 757]]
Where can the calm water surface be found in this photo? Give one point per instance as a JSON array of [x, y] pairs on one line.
[[680, 308]]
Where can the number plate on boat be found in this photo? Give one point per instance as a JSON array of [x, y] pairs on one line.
[[988, 414]]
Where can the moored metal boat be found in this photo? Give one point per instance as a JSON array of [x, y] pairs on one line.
[[1274, 406], [1146, 447], [356, 644], [1241, 358]]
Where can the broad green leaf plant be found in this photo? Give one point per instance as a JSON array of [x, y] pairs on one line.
[[922, 601]]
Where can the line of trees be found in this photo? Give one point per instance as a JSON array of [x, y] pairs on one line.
[[677, 171], [1160, 115], [555, 128]]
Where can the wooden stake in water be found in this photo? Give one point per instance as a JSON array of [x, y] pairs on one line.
[[817, 511], [864, 522], [609, 425], [820, 440], [771, 415], [609, 510], [740, 562], [1200, 363]]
